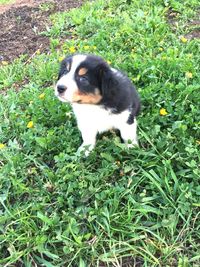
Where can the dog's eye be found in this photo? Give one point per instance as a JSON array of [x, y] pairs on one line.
[[83, 79]]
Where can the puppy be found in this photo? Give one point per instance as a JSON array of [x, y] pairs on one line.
[[102, 98]]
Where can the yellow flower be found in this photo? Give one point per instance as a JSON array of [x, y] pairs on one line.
[[2, 146], [86, 47], [188, 75], [61, 58], [94, 47], [41, 96], [109, 62], [38, 52], [136, 79], [30, 124], [183, 39], [161, 49], [4, 63], [163, 112], [72, 49]]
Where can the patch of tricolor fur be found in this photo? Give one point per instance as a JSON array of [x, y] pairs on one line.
[[102, 98]]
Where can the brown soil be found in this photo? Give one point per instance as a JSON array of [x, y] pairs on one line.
[[18, 3], [192, 27], [195, 33], [22, 23]]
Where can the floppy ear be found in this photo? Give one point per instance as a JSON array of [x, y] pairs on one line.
[[106, 81], [62, 69], [64, 66]]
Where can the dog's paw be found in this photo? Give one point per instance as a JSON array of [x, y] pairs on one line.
[[132, 144]]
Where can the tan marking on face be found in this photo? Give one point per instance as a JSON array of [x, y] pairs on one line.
[[84, 98], [82, 71]]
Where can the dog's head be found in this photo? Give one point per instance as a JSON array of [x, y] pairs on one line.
[[81, 79]]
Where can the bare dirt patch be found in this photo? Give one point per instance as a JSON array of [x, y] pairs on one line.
[[194, 33], [192, 27], [22, 23], [18, 3]]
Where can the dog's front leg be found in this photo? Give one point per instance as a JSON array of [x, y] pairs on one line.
[[89, 140]]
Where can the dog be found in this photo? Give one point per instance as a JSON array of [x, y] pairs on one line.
[[102, 98]]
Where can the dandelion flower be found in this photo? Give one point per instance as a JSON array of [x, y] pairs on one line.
[[163, 112], [109, 62], [4, 63], [72, 49], [61, 58], [30, 124], [2, 146], [183, 39], [38, 52], [188, 75], [86, 47], [161, 49], [41, 96]]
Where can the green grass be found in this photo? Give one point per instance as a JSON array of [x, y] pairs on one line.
[[6, 1], [116, 207]]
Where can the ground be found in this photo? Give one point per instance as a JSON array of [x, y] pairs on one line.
[[32, 17], [29, 18], [193, 23]]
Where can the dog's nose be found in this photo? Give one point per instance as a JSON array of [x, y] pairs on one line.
[[61, 88]]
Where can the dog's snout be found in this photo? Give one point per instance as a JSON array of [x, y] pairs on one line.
[[61, 88]]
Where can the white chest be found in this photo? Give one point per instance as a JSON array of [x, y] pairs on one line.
[[94, 116]]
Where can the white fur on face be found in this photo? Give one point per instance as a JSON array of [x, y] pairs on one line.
[[68, 80]]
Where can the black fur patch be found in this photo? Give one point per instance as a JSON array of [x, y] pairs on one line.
[[65, 67]]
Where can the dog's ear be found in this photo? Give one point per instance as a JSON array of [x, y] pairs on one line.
[[106, 80], [62, 69], [64, 66]]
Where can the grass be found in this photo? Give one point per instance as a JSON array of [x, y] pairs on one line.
[[6, 1], [139, 207]]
